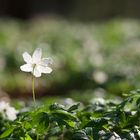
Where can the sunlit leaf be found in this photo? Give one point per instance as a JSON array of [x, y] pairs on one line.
[[7, 132]]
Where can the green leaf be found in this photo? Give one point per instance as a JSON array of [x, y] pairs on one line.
[[56, 106], [74, 107], [7, 132], [79, 135], [64, 115], [41, 120], [54, 131], [138, 102], [27, 137], [97, 123], [70, 123], [89, 131], [27, 125]]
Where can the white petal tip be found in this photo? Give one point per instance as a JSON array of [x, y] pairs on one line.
[[47, 70], [26, 68]]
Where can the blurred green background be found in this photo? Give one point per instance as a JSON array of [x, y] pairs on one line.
[[91, 58], [95, 52]]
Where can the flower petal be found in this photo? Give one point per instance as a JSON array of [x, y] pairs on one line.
[[3, 105], [44, 69], [27, 58], [37, 55], [46, 61], [36, 72], [26, 67], [11, 113]]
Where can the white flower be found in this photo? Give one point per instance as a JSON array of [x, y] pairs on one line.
[[35, 64], [68, 102], [7, 111], [11, 113], [3, 105], [115, 136], [132, 136], [98, 101], [100, 77]]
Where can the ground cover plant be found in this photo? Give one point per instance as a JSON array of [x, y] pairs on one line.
[[101, 120]]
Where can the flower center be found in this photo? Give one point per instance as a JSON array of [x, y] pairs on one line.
[[33, 65]]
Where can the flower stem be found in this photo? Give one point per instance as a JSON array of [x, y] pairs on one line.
[[37, 137], [33, 90]]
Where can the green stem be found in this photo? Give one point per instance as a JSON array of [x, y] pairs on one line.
[[37, 137], [33, 90]]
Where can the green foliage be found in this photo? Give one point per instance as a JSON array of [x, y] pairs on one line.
[[91, 122], [7, 132]]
